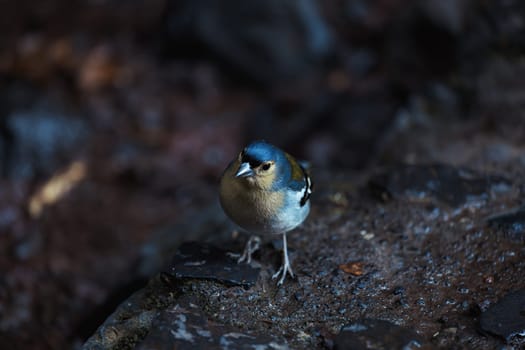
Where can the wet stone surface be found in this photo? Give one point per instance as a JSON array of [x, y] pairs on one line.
[[184, 326], [445, 183], [376, 335], [170, 314], [195, 260], [133, 318], [506, 318]]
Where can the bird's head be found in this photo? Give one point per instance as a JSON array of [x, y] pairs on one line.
[[260, 163]]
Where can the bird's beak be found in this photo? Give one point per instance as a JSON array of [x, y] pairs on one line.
[[244, 170]]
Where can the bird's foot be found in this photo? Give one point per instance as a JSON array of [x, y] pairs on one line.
[[283, 270], [251, 247]]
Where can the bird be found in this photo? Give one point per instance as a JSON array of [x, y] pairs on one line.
[[266, 191]]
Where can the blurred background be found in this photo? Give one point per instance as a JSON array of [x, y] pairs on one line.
[[118, 117]]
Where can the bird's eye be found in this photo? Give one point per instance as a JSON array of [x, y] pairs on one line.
[[266, 166]]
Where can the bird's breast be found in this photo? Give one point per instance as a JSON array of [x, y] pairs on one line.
[[253, 210]]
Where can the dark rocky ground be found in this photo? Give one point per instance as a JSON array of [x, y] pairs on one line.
[[428, 255], [116, 120]]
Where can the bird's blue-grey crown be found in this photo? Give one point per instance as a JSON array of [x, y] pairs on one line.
[[259, 152]]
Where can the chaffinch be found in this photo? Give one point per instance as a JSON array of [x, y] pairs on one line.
[[266, 191]]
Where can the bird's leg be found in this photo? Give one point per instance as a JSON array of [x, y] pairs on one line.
[[251, 247], [285, 267]]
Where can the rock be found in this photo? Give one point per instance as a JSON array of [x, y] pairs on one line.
[[170, 314], [196, 260], [376, 334], [441, 182], [511, 222], [279, 40], [132, 319], [186, 327], [506, 318]]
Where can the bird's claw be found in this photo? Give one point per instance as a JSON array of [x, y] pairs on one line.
[[251, 247], [284, 269]]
